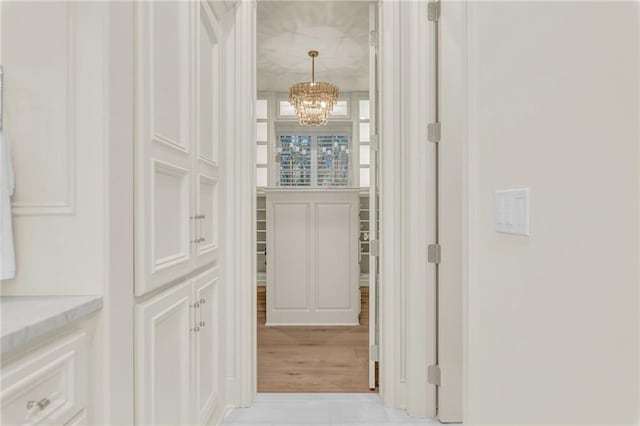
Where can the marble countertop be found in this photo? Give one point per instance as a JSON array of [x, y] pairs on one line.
[[26, 318]]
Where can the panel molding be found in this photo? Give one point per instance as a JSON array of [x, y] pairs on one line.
[[183, 84], [171, 170], [352, 249], [214, 182], [68, 205]]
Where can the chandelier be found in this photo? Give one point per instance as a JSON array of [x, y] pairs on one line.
[[313, 100]]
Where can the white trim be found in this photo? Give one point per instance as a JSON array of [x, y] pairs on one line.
[[389, 54], [418, 209], [117, 315], [245, 202], [407, 282], [469, 269]]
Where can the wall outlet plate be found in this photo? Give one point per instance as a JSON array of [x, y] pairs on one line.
[[511, 211]]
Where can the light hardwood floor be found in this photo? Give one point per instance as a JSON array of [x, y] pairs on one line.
[[313, 359]]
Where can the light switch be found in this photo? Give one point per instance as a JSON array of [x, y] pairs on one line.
[[511, 211]]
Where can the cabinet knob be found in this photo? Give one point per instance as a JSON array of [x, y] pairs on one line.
[[42, 404], [202, 301], [202, 323]]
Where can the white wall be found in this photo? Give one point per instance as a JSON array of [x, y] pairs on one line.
[[54, 99], [553, 318]]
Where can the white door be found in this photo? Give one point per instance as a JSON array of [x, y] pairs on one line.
[[206, 345], [206, 162], [163, 151], [373, 196], [163, 358]]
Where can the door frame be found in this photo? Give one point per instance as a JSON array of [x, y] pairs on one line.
[[407, 331]]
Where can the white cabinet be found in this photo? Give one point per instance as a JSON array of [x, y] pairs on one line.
[[206, 345], [177, 115], [312, 261], [177, 354], [177, 205], [48, 386]]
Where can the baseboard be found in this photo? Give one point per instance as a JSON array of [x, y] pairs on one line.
[[225, 412]]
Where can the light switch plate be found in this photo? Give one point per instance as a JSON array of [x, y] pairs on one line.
[[511, 211]]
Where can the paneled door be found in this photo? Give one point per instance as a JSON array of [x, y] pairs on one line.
[[206, 162], [163, 145], [163, 358], [207, 345]]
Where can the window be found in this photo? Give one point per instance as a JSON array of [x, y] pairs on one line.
[[262, 138], [365, 139], [320, 160]]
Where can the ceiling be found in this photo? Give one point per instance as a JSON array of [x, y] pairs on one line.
[[287, 30]]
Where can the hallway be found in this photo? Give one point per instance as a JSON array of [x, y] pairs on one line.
[[320, 409]]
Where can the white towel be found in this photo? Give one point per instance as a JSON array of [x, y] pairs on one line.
[[7, 184]]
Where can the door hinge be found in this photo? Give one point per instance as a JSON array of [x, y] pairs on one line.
[[374, 142], [374, 353], [373, 38], [433, 253], [1, 94], [433, 132], [374, 247], [433, 10], [433, 375]]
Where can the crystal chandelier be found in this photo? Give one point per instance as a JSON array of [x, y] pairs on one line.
[[313, 100]]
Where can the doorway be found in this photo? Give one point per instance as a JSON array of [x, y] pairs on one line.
[[321, 356], [406, 332]]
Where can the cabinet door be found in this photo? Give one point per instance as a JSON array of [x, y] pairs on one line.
[[207, 345], [163, 143], [163, 358], [207, 161]]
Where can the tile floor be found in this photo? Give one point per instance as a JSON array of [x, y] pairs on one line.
[[320, 409]]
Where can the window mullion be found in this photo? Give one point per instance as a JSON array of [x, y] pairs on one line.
[[314, 161]]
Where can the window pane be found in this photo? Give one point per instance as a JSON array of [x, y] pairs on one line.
[[261, 109], [295, 160], [364, 132], [340, 109], [261, 132], [333, 160], [364, 155], [286, 109], [261, 176], [261, 154], [364, 177], [364, 109]]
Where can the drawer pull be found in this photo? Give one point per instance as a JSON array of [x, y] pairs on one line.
[[42, 404]]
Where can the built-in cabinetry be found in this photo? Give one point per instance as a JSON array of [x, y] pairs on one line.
[[312, 261], [177, 140], [261, 239], [177, 200], [177, 372], [47, 384]]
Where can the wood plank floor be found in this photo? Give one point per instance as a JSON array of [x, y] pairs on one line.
[[313, 359]]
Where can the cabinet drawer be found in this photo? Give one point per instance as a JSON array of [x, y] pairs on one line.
[[47, 386]]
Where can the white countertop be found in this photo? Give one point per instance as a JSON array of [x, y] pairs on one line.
[[25, 318]]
